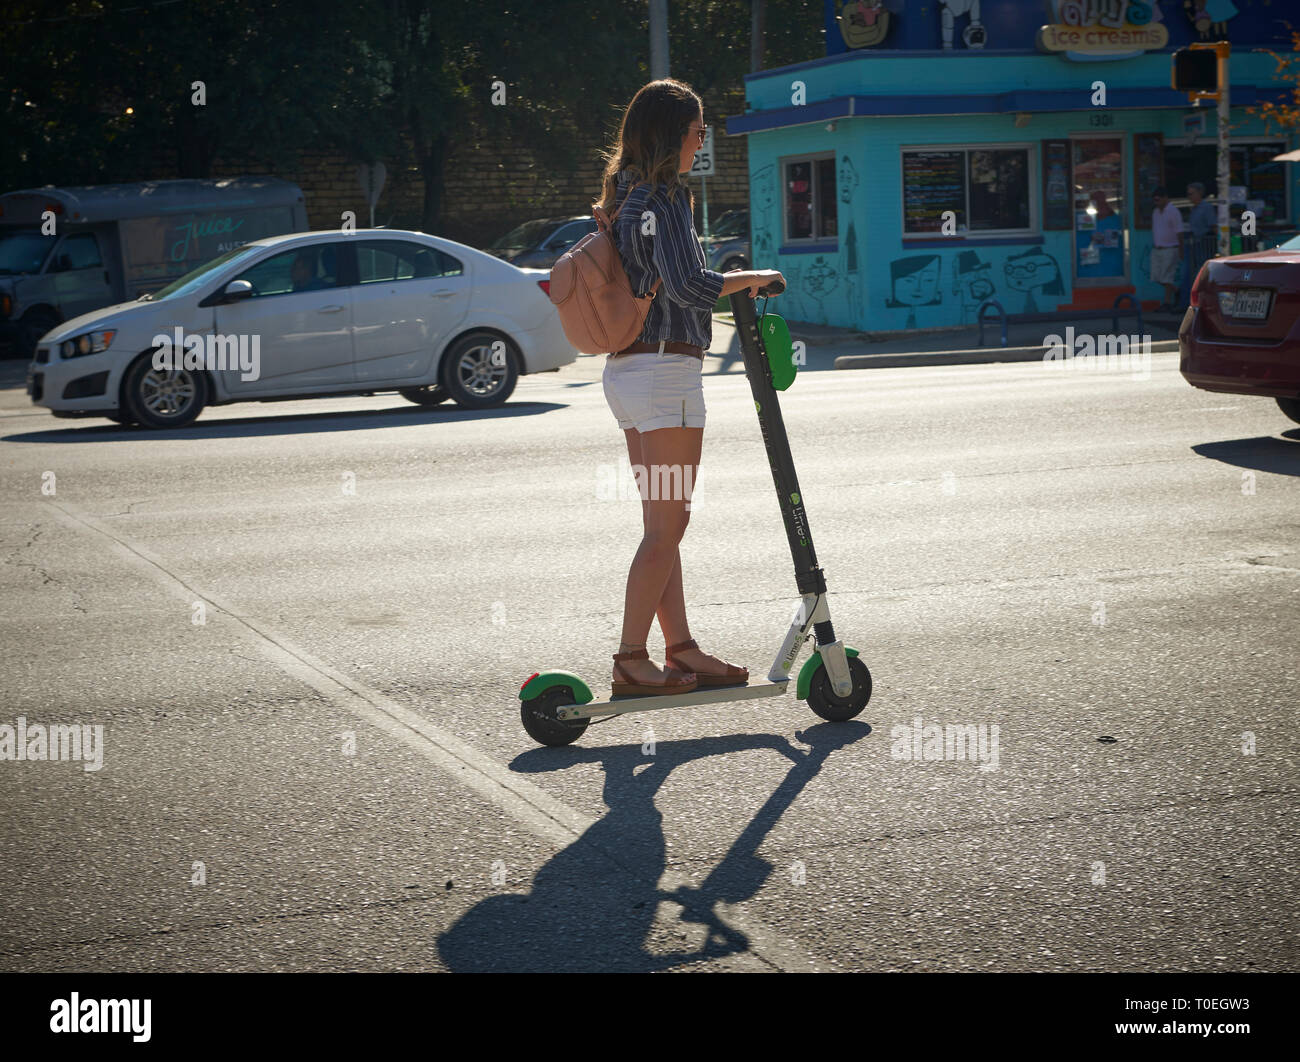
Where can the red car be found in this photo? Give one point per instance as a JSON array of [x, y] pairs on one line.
[[1241, 333]]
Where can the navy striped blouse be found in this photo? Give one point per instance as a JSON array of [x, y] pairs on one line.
[[682, 310]]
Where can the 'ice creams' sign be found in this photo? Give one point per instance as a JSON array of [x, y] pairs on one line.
[[1103, 29]]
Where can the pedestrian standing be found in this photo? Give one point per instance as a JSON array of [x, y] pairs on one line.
[[653, 386], [1167, 246]]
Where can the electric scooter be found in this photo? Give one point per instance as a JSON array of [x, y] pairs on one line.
[[557, 706]]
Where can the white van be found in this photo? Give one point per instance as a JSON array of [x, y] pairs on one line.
[[67, 251]]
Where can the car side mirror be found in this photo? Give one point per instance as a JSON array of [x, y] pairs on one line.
[[236, 290]]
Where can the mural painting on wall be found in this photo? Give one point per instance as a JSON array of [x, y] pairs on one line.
[[816, 284], [863, 23], [792, 307], [762, 185], [1031, 271], [848, 181], [972, 281], [1210, 17], [974, 35], [913, 282]]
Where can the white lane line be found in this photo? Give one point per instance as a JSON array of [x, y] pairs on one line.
[[526, 803]]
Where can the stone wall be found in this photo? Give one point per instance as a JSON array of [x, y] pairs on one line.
[[488, 189]]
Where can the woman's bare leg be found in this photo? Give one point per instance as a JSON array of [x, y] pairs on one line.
[[672, 602], [671, 609], [656, 568]]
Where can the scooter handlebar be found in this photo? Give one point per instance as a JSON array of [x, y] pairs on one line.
[[773, 288]]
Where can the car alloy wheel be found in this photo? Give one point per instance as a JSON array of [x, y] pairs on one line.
[[480, 370], [163, 398]]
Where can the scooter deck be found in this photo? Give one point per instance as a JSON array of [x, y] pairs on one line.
[[705, 695]]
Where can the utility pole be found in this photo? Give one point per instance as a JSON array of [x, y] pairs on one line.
[[1221, 50], [658, 39], [757, 27]]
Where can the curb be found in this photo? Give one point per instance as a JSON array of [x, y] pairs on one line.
[[981, 355]]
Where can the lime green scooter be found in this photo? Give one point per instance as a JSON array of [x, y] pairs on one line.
[[557, 706]]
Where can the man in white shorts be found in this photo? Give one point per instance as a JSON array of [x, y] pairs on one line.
[[1167, 246]]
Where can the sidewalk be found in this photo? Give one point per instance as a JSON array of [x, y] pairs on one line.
[[844, 348]]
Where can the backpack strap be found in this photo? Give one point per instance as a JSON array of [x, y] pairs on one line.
[[605, 223]]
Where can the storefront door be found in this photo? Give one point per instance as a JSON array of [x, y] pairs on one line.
[[1100, 218]]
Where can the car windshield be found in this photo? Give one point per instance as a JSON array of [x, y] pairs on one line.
[[526, 236], [23, 251], [731, 225], [1293, 244], [196, 277]]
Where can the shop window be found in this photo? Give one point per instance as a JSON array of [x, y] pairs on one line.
[[810, 204], [987, 189], [1252, 167]]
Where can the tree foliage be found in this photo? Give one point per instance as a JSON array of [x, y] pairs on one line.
[[103, 90]]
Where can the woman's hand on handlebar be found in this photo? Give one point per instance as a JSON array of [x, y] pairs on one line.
[[756, 279], [765, 278]]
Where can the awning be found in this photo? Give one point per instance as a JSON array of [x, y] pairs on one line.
[[1026, 101]]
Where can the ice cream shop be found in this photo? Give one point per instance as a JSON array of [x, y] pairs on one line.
[[944, 152]]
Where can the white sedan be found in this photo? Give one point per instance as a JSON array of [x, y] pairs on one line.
[[308, 314]]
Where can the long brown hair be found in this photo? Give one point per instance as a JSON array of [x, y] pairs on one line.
[[650, 139]]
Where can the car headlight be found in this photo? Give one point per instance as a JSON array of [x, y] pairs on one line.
[[87, 343]]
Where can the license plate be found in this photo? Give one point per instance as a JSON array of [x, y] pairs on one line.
[[1250, 304]]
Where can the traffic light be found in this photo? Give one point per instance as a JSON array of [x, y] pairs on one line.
[[1195, 70]]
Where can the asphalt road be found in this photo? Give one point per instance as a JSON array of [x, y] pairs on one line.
[[329, 773]]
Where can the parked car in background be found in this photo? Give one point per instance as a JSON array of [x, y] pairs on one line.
[[328, 313], [1241, 331], [727, 245], [538, 244], [67, 251]]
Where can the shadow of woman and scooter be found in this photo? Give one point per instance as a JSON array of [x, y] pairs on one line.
[[593, 907]]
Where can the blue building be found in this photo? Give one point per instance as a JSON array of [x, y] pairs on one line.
[[948, 151]]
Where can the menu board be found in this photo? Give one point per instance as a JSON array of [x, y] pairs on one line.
[[1148, 174], [1056, 185], [933, 181]]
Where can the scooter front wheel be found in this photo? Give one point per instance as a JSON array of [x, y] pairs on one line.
[[538, 716], [823, 700]]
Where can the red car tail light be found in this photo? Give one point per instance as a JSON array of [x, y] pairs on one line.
[[1195, 298], [545, 285]]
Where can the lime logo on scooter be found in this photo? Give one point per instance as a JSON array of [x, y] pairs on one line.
[[797, 513]]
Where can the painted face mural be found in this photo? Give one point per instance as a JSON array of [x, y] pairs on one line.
[[972, 281], [914, 281], [1033, 271]]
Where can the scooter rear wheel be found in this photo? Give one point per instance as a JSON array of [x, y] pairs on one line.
[[822, 698], [538, 716]]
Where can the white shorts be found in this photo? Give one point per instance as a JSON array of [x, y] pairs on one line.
[[653, 390], [1164, 264]]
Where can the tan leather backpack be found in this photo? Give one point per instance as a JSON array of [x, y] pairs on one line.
[[591, 291]]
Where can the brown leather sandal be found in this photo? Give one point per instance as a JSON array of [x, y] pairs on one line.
[[733, 676], [675, 681]]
